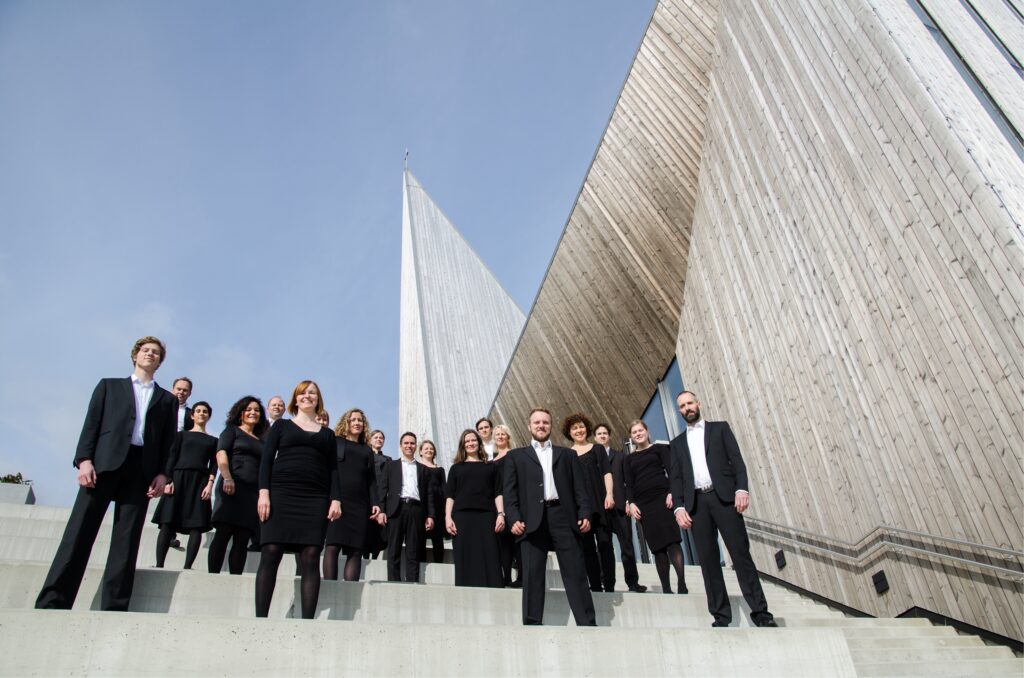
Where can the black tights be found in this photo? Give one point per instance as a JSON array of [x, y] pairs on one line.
[[163, 543], [353, 564], [239, 538], [674, 553], [266, 577]]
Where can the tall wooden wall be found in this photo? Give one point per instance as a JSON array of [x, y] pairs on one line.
[[853, 300], [603, 326]]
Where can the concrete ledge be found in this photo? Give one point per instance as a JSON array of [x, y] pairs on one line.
[[12, 493], [127, 644]]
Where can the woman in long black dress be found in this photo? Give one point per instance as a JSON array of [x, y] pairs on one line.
[[360, 502], [598, 553], [428, 453], [649, 502], [508, 547], [298, 496], [238, 458], [378, 537], [185, 506], [474, 514]]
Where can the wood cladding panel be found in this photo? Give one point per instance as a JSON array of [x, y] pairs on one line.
[[853, 299], [614, 286]]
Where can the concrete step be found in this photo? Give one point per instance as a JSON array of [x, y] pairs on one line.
[[916, 642], [198, 594], [977, 667], [923, 654], [127, 644]]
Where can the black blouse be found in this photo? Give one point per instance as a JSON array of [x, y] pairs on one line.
[[296, 456], [473, 485], [244, 453], [647, 472], [193, 451]]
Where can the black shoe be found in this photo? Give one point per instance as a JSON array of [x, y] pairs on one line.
[[175, 544], [716, 624], [639, 588], [517, 584], [767, 623], [683, 589]]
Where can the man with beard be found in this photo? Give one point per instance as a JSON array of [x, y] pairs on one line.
[[547, 506], [709, 493]]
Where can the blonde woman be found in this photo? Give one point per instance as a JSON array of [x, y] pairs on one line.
[[428, 453], [508, 548]]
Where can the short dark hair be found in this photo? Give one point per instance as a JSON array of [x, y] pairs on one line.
[[184, 379], [235, 414], [407, 433], [604, 426], [539, 409], [203, 403], [687, 391], [572, 420], [481, 419]]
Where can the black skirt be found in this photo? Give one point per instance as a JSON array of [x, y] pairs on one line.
[[185, 510], [238, 509], [658, 523], [477, 562]]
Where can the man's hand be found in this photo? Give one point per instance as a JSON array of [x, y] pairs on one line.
[[742, 502], [382, 518], [584, 525], [518, 528], [86, 474], [156, 488], [683, 519], [430, 524]]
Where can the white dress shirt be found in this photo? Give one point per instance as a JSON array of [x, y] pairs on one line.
[[143, 394], [410, 486], [544, 453], [698, 456], [489, 449], [181, 415]]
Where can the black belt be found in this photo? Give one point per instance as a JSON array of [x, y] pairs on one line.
[[407, 500], [706, 490], [551, 502]]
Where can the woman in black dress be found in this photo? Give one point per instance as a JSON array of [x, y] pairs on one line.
[[474, 514], [598, 552], [649, 502], [377, 540], [238, 458], [298, 495], [508, 547], [360, 502], [428, 453], [185, 506]]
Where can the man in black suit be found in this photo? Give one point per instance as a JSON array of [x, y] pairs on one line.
[[182, 389], [546, 504], [122, 457], [620, 521], [407, 510], [709, 491]]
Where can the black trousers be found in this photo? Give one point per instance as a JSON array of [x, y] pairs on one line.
[[711, 516], [556, 532], [126, 487], [599, 556], [435, 538], [624, 533], [406, 526]]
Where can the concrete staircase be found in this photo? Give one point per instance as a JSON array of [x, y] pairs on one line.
[[195, 623]]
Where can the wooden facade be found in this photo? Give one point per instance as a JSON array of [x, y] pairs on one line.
[[816, 206]]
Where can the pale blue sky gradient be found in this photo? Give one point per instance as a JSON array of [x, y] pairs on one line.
[[227, 176]]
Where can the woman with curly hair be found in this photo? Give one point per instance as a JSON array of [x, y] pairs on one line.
[[239, 449], [360, 501], [598, 552]]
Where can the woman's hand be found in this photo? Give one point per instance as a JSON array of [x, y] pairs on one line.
[[668, 500], [374, 510], [263, 505], [499, 524], [334, 512], [449, 525], [169, 489], [207, 491], [609, 502], [229, 486]]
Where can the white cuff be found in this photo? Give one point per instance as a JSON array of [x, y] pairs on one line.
[[743, 491], [681, 508]]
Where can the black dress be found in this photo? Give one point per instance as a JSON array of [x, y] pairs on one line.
[[377, 539], [194, 460], [244, 452], [473, 487], [595, 465], [508, 549], [300, 469], [647, 486], [357, 484]]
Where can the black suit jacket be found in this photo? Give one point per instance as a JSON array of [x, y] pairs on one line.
[[725, 463], [393, 488], [107, 431], [524, 486], [189, 421], [617, 462]]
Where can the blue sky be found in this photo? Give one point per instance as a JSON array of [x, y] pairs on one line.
[[227, 176]]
